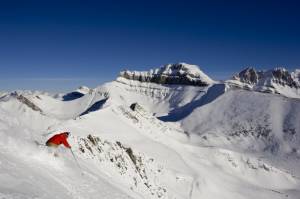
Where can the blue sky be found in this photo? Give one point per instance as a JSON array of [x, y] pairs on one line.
[[59, 45]]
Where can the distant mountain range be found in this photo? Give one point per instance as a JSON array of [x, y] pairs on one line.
[[277, 80]]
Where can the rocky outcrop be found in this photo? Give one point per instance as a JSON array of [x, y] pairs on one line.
[[283, 77], [180, 73], [296, 75], [278, 81], [249, 75], [136, 170], [278, 76], [26, 101]]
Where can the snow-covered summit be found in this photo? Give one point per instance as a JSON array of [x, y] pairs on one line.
[[296, 76], [277, 80], [268, 78], [180, 73], [83, 89], [78, 93], [248, 75]]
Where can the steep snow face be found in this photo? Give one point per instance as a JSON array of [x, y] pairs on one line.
[[181, 74], [31, 171], [278, 80], [253, 122], [2, 94]]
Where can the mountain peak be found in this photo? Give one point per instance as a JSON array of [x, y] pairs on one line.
[[296, 75], [283, 77], [278, 80], [83, 89], [248, 75], [280, 76], [179, 73]]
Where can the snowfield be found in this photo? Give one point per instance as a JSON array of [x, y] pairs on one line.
[[176, 141]]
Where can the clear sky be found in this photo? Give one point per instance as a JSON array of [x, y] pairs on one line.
[[59, 45]]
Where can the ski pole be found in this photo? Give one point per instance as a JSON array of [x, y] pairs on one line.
[[76, 160]]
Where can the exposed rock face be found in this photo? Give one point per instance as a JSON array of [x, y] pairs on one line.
[[278, 76], [135, 169], [136, 106], [180, 73], [283, 77], [27, 102], [249, 75], [278, 81], [296, 75]]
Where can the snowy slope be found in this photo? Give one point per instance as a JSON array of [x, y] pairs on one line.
[[156, 98], [30, 171], [178, 141], [249, 121]]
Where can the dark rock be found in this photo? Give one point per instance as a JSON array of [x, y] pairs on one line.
[[278, 76], [27, 102], [249, 75], [180, 74]]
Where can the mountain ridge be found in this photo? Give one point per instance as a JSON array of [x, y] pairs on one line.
[[179, 73]]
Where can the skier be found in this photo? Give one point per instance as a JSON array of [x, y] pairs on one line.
[[57, 140]]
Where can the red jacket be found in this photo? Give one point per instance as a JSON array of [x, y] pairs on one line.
[[59, 139]]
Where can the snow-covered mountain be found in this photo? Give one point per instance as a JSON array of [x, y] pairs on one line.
[[172, 132], [180, 74], [277, 80]]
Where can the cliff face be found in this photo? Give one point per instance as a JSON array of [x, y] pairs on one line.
[[277, 80], [249, 75], [180, 73], [283, 77], [278, 76]]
